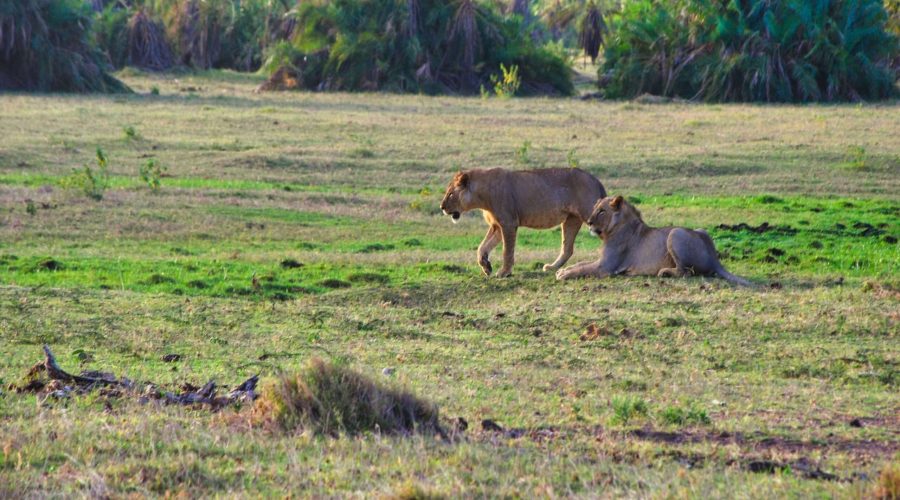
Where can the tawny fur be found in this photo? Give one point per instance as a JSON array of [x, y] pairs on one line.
[[633, 248], [538, 199]]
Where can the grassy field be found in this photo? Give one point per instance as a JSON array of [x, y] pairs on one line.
[[291, 226]]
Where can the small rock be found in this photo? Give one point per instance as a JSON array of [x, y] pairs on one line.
[[387, 372], [856, 423], [460, 425], [171, 358]]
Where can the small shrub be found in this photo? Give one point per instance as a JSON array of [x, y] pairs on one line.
[[692, 414], [151, 173], [91, 182], [328, 399], [627, 407], [571, 159], [154, 90], [522, 153], [130, 133], [507, 84], [856, 157], [30, 207]]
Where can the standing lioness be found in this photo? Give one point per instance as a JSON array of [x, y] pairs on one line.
[[538, 199], [633, 248]]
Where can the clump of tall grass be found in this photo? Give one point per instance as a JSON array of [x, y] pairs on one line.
[[329, 399], [757, 50]]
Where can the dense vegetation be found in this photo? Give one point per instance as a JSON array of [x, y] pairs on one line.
[[751, 50], [46, 45], [417, 45], [157, 34], [739, 50]]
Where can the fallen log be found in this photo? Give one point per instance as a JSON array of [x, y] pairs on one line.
[[87, 381]]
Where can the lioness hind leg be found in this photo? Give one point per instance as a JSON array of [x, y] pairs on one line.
[[570, 228], [679, 245], [673, 272]]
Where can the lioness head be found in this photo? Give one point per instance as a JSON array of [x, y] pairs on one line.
[[458, 197], [609, 213]]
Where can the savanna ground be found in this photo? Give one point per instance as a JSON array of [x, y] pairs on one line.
[[297, 225]]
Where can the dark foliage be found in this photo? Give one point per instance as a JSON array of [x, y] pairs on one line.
[[593, 29], [46, 45], [762, 50]]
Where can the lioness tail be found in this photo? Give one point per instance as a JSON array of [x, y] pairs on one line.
[[737, 280]]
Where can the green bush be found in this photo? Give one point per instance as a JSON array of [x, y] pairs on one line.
[[625, 408], [430, 46], [92, 182], [762, 50], [47, 45]]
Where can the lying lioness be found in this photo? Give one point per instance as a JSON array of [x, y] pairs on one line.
[[633, 248], [531, 198]]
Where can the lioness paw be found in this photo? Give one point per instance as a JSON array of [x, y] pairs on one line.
[[550, 267], [563, 274]]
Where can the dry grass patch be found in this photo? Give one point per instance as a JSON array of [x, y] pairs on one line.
[[329, 399], [888, 487]]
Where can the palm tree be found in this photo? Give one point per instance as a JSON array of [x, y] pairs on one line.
[[593, 29]]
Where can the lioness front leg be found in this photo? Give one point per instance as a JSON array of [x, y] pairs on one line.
[[491, 239], [509, 250], [570, 229], [581, 270]]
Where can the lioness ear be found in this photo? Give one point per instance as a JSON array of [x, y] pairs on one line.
[[462, 179], [616, 202]]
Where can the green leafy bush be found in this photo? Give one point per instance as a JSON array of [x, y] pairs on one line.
[[92, 182], [626, 408], [152, 173], [762, 50], [430, 46]]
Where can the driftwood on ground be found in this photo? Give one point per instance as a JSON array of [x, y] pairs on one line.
[[48, 378]]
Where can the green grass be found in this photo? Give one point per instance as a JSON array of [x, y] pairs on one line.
[[275, 239]]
